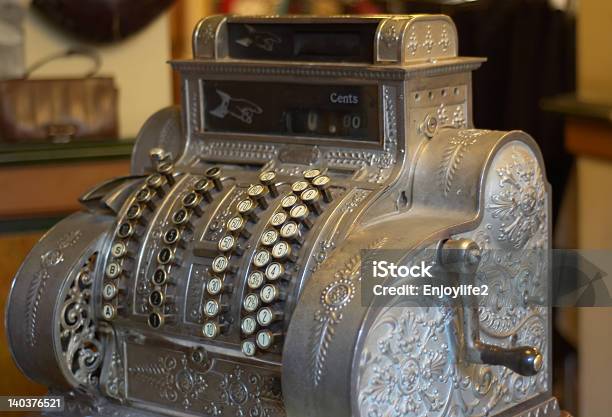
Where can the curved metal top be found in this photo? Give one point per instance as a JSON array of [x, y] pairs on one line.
[[376, 39]]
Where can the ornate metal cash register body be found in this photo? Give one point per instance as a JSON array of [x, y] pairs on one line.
[[222, 278]]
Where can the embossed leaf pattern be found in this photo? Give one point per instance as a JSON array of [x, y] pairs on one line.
[[324, 329], [174, 379], [35, 292], [453, 156], [519, 204], [408, 386]]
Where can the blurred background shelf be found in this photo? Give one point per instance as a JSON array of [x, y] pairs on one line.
[[43, 153], [45, 181]]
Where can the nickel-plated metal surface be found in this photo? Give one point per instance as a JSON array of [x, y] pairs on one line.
[[223, 277]]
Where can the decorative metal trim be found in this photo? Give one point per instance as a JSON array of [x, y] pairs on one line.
[[334, 298], [175, 380], [453, 155], [463, 65], [82, 349], [293, 71], [48, 260], [238, 150]]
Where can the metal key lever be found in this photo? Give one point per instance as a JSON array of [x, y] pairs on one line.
[[462, 256]]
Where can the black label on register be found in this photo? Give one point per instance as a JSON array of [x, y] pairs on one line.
[[325, 111]]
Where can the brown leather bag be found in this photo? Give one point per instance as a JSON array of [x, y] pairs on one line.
[[59, 110]]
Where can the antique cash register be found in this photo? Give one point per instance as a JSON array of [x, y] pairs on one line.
[[223, 276]]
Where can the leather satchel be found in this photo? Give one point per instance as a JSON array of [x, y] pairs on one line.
[[59, 110]]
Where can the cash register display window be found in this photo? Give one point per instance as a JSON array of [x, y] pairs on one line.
[[345, 112]]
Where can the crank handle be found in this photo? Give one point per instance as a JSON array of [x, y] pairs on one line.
[[462, 256]]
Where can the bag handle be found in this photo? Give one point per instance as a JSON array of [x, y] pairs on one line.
[[88, 53]]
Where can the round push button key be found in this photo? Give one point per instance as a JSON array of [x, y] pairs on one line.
[[237, 225], [220, 264], [155, 320], [113, 270], [289, 201], [291, 232], [160, 277], [181, 217], [119, 249], [204, 188], [278, 219], [226, 243], [265, 339], [248, 348], [311, 174], [109, 291], [246, 208], [300, 213], [267, 316], [270, 293], [156, 298], [210, 330], [248, 325], [214, 175], [211, 308], [165, 256], [145, 196], [134, 212], [275, 271], [166, 169], [267, 178], [283, 252], [192, 201], [258, 193], [214, 286], [156, 182], [109, 312], [125, 230], [261, 258], [269, 237], [251, 302], [255, 280], [311, 197], [322, 184], [299, 186], [172, 236]]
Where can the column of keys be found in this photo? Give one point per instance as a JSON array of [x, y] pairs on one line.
[[128, 230], [168, 257], [276, 254]]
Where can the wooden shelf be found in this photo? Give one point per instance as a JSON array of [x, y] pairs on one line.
[[42, 183]]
